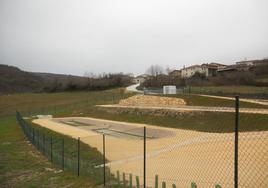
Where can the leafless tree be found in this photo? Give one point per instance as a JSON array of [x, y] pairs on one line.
[[155, 70]]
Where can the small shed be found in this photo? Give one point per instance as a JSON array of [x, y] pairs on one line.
[[169, 90]]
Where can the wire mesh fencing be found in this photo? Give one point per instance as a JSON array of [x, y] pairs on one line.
[[72, 154], [231, 152], [253, 149]]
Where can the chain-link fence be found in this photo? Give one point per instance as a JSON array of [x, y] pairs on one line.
[[73, 154], [227, 154]]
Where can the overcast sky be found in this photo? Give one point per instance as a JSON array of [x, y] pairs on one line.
[[75, 36]]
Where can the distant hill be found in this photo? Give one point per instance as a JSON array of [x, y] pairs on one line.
[[14, 80], [63, 78]]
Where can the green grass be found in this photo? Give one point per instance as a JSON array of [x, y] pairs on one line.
[[263, 80], [89, 156], [195, 100], [21, 165], [231, 90], [55, 102], [198, 121]]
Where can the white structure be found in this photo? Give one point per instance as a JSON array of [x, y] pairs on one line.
[[190, 71], [169, 90], [141, 78]]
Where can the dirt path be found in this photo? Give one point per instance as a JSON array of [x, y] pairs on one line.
[[254, 101], [132, 88], [193, 108], [181, 158]]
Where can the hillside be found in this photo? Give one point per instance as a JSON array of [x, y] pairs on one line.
[[14, 80]]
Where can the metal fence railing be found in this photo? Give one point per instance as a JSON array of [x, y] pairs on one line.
[[160, 157]]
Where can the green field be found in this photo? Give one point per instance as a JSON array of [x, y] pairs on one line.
[[195, 100], [55, 102], [22, 166], [265, 79], [231, 90]]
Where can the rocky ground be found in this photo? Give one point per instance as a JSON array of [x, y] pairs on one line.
[[144, 100]]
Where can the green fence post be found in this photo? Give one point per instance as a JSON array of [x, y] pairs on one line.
[[137, 182], [108, 174], [118, 177], [124, 179], [62, 154], [38, 138], [78, 156], [33, 137], [103, 150], [193, 185], [44, 143], [173, 186], [163, 184], [236, 140], [51, 154], [217, 186], [144, 157], [156, 181], [130, 180]]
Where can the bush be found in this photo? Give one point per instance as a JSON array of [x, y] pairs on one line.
[[160, 80]]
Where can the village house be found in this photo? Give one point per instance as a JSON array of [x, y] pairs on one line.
[[141, 78], [188, 72], [175, 73], [208, 70], [243, 65]]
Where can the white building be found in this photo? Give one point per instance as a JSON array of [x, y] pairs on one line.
[[188, 72], [206, 69], [141, 78], [169, 90]]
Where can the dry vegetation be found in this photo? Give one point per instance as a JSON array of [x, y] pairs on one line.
[[14, 80]]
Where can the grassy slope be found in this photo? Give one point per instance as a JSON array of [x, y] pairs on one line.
[[22, 166], [28, 168], [195, 100], [44, 102], [251, 90]]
